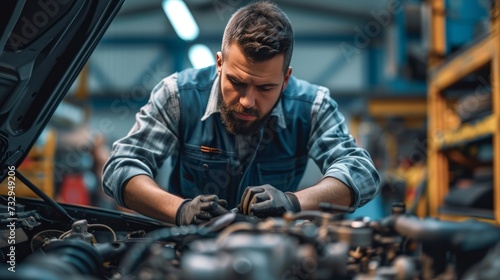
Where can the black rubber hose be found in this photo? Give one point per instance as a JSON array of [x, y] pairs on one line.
[[140, 250]]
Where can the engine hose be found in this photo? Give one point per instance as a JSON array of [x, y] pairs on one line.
[[140, 250]]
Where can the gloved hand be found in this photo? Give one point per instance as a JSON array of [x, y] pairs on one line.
[[266, 200], [200, 209]]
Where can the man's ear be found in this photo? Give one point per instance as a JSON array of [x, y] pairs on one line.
[[218, 62], [287, 78]]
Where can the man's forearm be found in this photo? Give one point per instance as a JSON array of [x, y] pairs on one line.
[[144, 196], [329, 190]]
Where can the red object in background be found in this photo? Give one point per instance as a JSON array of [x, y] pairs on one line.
[[27, 162], [73, 190]]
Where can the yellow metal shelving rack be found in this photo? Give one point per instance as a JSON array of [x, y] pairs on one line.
[[444, 73], [38, 167]]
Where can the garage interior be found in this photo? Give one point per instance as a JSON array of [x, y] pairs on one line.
[[381, 61], [418, 83]]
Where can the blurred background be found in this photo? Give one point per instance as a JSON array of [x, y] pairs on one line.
[[376, 57]]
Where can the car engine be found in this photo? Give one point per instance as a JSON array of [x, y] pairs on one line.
[[92, 243]]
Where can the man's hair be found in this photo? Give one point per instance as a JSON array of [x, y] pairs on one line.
[[262, 30]]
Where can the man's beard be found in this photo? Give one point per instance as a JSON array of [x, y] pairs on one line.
[[236, 126]]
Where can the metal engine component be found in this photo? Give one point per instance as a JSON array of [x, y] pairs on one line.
[[306, 245], [261, 256], [242, 255], [67, 258]]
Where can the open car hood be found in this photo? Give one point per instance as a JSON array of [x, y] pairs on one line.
[[43, 46]]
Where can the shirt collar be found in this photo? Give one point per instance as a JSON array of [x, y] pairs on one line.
[[214, 107]]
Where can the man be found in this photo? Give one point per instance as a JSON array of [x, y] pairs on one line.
[[240, 133]]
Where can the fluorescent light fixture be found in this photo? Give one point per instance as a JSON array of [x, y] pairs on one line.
[[201, 56], [181, 19]]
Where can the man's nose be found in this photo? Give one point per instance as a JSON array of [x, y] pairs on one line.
[[247, 99]]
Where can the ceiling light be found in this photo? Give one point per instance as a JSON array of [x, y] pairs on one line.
[[181, 19], [200, 56]]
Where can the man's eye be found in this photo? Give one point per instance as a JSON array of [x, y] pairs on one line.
[[265, 88], [237, 84]]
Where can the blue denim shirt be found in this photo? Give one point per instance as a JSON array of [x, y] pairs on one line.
[[182, 120]]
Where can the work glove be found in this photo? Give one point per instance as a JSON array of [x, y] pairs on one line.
[[200, 209], [264, 201]]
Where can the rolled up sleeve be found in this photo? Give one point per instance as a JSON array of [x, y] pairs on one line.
[[152, 139], [335, 152]]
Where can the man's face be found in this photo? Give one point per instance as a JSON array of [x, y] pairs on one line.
[[249, 90]]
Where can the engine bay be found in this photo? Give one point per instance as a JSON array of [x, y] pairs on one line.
[[93, 243]]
